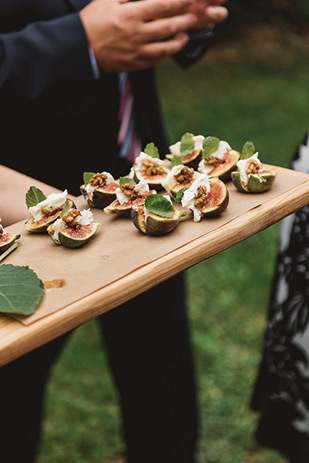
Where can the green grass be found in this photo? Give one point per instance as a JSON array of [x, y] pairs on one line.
[[236, 99]]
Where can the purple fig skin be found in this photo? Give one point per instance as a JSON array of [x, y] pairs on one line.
[[138, 219], [155, 225], [214, 209], [102, 197]]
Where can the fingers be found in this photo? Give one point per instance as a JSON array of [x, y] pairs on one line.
[[216, 14], [154, 9], [152, 53], [167, 27]]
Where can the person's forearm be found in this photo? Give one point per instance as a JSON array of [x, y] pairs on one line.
[[14, 186]]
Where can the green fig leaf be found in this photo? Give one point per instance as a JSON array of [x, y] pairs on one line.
[[34, 196], [179, 194], [20, 290], [176, 161], [87, 176], [186, 144], [248, 150], [210, 146], [152, 150], [159, 205], [124, 180]]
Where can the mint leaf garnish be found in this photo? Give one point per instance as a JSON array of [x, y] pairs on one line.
[[176, 161], [186, 144], [210, 146], [152, 150], [87, 176], [34, 196], [65, 209], [248, 150], [179, 194], [124, 180], [20, 290], [159, 205]]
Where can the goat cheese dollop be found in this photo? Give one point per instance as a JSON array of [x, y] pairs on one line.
[[53, 200], [190, 196], [242, 163], [141, 187]]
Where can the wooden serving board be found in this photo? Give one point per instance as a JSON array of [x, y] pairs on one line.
[[136, 263]]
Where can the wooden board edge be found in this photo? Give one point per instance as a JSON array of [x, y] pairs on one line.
[[21, 339]]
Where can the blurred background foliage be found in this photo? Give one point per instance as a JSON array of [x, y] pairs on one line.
[[289, 14]]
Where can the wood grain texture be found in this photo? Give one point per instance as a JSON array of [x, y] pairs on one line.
[[16, 339]]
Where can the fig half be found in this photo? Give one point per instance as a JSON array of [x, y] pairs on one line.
[[191, 160], [179, 178], [124, 209], [149, 168], [99, 189], [206, 197], [217, 198], [6, 240], [189, 149], [251, 175], [257, 183], [154, 180], [39, 226], [221, 168], [153, 224], [101, 197], [74, 237]]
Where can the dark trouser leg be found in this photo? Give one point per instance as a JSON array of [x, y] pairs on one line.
[[148, 345], [22, 386]]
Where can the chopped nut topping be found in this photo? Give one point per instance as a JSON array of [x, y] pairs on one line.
[[213, 161], [185, 175], [51, 210], [98, 180], [152, 168], [129, 190], [201, 196], [253, 167], [70, 217]]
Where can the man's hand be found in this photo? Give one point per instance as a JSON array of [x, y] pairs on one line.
[[208, 13], [136, 35]]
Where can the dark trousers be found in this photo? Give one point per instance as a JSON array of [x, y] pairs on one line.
[[147, 342]]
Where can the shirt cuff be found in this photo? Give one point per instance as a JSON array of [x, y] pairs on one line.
[[94, 65]]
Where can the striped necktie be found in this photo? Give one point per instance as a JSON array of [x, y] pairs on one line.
[[129, 141]]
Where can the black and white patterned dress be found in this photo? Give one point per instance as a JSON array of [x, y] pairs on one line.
[[281, 393]]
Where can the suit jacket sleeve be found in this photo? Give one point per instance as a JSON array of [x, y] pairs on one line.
[[43, 54]]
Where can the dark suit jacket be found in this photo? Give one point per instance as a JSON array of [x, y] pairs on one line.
[[56, 120]]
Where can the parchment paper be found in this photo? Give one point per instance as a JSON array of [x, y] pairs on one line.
[[118, 248]]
